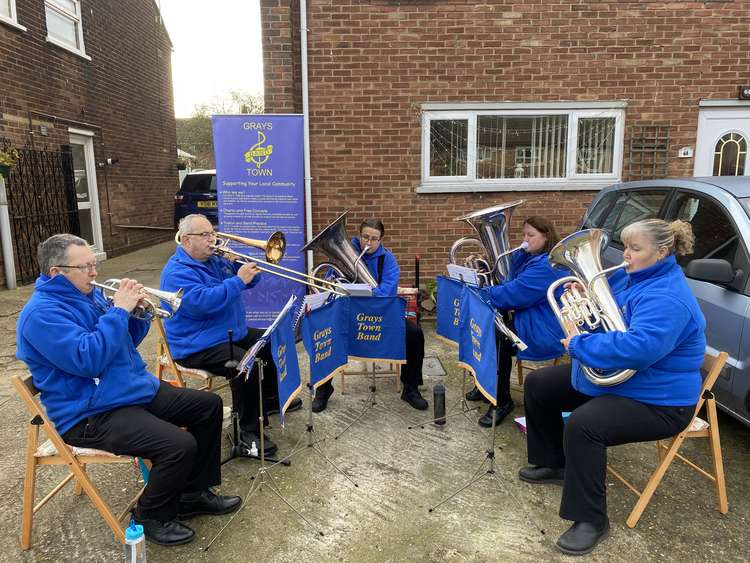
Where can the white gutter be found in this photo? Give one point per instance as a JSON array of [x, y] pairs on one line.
[[306, 129], [7, 242]]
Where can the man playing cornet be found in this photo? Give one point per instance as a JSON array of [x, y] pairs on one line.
[[211, 306], [81, 351]]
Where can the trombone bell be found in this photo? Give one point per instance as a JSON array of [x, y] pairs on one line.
[[274, 247]]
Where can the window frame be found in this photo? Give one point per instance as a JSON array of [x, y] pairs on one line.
[[12, 19], [77, 20], [572, 179]]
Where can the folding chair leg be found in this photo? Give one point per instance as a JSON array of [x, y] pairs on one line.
[[656, 478], [519, 370], [29, 487], [715, 442], [77, 489]]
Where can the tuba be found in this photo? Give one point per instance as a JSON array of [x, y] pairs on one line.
[[491, 224], [334, 243], [595, 306]]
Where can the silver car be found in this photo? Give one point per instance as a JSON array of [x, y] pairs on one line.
[[719, 269]]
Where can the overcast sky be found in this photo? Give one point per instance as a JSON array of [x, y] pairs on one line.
[[217, 48]]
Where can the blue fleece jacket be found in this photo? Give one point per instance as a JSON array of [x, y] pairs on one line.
[[525, 293], [388, 282], [211, 303], [664, 343], [81, 352]]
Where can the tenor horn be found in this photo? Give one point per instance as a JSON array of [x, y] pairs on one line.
[[593, 305], [151, 297], [334, 243], [491, 226]]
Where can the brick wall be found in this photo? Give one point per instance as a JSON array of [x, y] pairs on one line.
[[123, 95], [372, 63]]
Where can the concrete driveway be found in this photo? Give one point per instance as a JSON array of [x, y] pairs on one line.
[[400, 473]]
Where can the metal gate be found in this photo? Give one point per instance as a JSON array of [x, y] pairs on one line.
[[41, 202]]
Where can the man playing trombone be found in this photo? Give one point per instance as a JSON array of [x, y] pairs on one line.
[[211, 305], [81, 351]]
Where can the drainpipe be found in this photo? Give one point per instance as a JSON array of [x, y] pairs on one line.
[[306, 129], [7, 242]]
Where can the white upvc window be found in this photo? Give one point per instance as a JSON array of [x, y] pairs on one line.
[[521, 146], [64, 25], [8, 14]]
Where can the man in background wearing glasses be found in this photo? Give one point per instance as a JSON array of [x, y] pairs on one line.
[[81, 351], [211, 306]]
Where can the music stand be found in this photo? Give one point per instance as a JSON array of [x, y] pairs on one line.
[[262, 476], [460, 403], [238, 447]]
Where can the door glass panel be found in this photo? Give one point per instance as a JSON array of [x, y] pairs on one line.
[[79, 169], [84, 217], [730, 154]]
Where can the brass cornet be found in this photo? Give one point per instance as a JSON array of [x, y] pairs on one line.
[[152, 297]]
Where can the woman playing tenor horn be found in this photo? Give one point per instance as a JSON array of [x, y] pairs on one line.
[[664, 343]]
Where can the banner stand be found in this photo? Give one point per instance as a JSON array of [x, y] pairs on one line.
[[370, 402], [262, 476], [461, 404]]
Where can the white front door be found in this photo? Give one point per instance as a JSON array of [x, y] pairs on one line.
[[87, 195], [723, 141]]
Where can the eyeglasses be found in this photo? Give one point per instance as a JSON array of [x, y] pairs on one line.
[[90, 267], [369, 238], [206, 235]]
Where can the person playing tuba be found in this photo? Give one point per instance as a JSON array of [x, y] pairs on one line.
[[664, 343]]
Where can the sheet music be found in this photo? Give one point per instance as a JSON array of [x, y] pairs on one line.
[[245, 364], [462, 273], [358, 289], [310, 303]]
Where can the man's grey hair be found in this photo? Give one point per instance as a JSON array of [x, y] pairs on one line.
[[54, 250], [185, 226]]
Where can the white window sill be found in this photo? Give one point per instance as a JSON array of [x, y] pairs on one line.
[[68, 48], [12, 23], [518, 186]]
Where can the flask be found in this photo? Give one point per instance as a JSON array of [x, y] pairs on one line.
[[254, 450], [438, 400], [135, 543]]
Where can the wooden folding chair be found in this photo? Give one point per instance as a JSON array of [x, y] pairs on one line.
[[59, 453], [712, 365], [520, 366], [389, 370], [165, 365]]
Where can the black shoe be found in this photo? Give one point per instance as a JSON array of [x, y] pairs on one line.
[[412, 396], [206, 502], [247, 438], [165, 533], [500, 413], [475, 395], [272, 406], [542, 475], [582, 537], [322, 394]]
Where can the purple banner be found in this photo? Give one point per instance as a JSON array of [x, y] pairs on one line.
[[260, 184]]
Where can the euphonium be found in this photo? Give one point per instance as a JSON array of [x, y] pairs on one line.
[[151, 296], [491, 224], [594, 307]]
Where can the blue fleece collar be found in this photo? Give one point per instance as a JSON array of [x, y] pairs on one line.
[[661, 268], [61, 286]]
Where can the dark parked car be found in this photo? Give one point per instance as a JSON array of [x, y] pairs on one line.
[[197, 194], [718, 271]]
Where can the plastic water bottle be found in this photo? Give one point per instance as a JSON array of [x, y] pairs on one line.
[[135, 543], [254, 450], [438, 401]]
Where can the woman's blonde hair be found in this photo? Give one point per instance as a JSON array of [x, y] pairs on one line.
[[677, 236]]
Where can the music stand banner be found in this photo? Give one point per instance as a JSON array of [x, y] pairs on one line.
[[477, 349], [326, 339], [448, 308], [376, 328], [260, 188]]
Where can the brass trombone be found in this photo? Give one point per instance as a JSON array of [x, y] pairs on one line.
[[274, 249], [151, 297]]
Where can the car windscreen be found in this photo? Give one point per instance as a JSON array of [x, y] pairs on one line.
[[199, 183]]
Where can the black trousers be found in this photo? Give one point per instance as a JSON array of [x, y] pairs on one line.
[[580, 445], [505, 352], [183, 461], [244, 391]]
